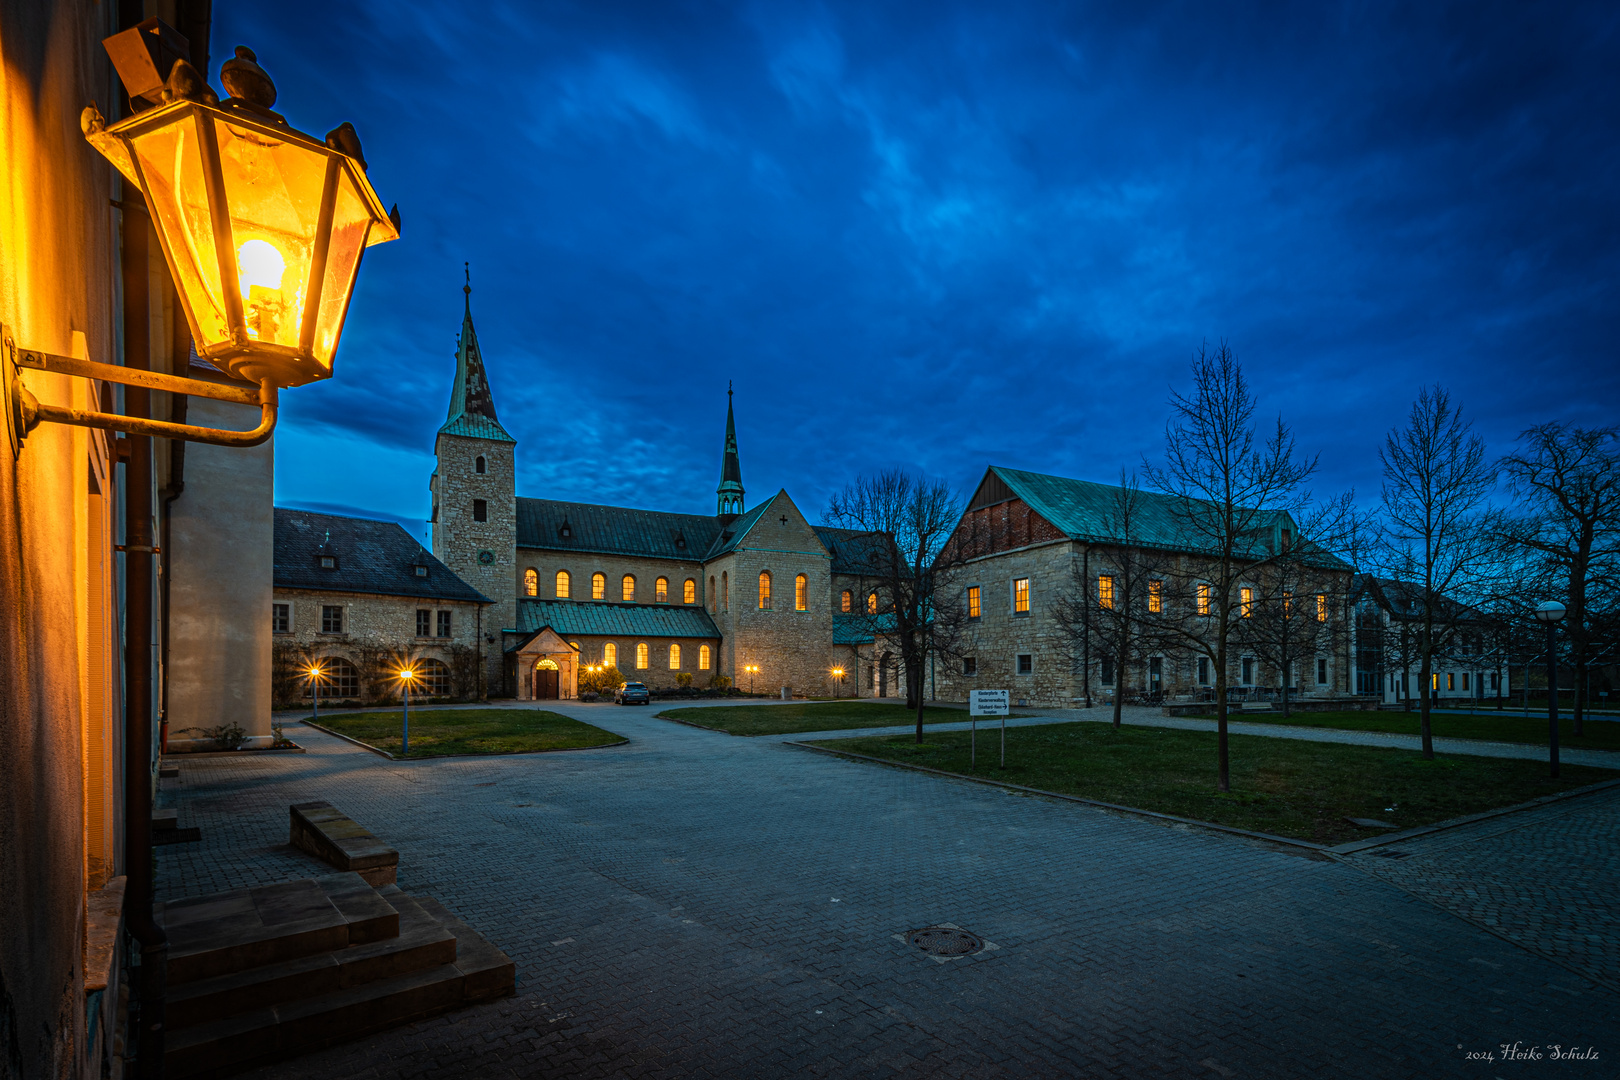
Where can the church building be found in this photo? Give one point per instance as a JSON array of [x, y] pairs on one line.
[[758, 595]]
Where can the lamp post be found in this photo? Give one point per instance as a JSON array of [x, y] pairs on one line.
[[405, 677], [315, 674], [1552, 613], [838, 682], [752, 669]]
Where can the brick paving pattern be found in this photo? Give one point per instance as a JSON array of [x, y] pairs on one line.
[[693, 904]]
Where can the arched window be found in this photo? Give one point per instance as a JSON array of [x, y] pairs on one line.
[[563, 584], [764, 590], [689, 593], [661, 590], [849, 601], [610, 655], [598, 586], [871, 603], [434, 678], [674, 658], [642, 653], [711, 593], [531, 582], [627, 588], [801, 593], [703, 657], [725, 593], [478, 466], [339, 678]]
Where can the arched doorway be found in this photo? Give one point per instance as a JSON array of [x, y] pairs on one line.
[[546, 678]]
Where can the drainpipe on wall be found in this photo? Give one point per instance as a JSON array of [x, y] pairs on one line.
[[1085, 645]]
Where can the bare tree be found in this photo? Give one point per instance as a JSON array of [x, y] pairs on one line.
[[907, 564], [1568, 480], [1439, 536], [1109, 612], [1232, 491]]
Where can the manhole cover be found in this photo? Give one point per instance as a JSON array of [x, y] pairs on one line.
[[944, 941]]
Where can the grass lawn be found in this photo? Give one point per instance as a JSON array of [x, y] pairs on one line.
[[1302, 790], [1496, 727], [809, 716], [455, 732]]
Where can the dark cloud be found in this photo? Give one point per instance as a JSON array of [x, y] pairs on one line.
[[940, 235]]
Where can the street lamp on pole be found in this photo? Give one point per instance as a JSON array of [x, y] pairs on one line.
[[405, 677], [752, 670], [838, 681], [315, 676], [1552, 613]]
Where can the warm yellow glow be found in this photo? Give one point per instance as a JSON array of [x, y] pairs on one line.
[[315, 672], [407, 674], [838, 673]]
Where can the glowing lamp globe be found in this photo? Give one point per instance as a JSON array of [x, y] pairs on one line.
[[262, 225]]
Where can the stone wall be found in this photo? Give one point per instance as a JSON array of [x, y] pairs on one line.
[[379, 638], [657, 674], [459, 541], [580, 567]]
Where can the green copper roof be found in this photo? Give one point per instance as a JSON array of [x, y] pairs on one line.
[[581, 617], [472, 407]]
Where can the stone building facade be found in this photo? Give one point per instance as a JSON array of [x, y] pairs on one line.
[[739, 589], [359, 601]]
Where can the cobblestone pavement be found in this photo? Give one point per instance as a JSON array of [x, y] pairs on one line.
[[693, 904], [1548, 878]]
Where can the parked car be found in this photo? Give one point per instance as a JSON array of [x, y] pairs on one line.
[[632, 693]]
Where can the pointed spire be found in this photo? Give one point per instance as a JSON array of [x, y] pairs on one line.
[[730, 491], [472, 407]]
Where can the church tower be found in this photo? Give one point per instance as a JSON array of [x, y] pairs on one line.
[[475, 496], [730, 491]]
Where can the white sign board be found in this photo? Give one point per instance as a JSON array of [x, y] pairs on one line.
[[987, 703]]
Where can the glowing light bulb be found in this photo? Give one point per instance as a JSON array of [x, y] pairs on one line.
[[259, 270]]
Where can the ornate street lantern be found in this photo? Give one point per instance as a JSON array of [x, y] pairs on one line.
[[262, 225]]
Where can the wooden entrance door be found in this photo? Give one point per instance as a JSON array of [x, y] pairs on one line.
[[545, 684]]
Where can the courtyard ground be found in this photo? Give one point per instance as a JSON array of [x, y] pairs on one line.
[[691, 904]]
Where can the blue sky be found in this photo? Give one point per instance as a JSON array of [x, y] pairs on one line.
[[942, 235]]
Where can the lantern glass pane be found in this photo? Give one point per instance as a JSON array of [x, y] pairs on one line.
[[177, 194], [351, 219], [273, 186]]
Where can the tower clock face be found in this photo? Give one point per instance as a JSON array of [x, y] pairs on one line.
[[486, 558]]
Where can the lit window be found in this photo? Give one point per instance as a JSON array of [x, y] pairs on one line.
[[847, 602], [444, 624], [1105, 591], [610, 655], [1246, 605], [1434, 681], [703, 657], [598, 586], [641, 656], [1451, 681], [332, 619], [801, 593], [674, 658], [478, 466], [424, 622], [1321, 607], [627, 588], [531, 582], [1026, 664], [871, 603], [1021, 596], [661, 590], [1156, 596], [480, 510], [764, 590], [281, 618], [1288, 605], [563, 583], [689, 592], [1203, 599]]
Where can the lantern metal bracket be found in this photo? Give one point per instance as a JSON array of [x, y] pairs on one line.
[[24, 411]]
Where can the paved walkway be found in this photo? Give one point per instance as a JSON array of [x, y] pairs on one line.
[[693, 904]]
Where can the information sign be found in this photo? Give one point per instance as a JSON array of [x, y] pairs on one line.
[[987, 703]]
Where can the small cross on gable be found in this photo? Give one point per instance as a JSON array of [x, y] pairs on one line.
[[784, 519]]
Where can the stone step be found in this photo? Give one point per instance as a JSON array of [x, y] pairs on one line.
[[338, 840], [480, 972], [233, 931], [422, 942]]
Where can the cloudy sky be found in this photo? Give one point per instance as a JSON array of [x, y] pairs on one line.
[[940, 236]]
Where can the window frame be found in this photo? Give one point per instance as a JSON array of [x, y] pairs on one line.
[[1020, 597], [531, 581], [847, 602], [424, 622], [627, 589], [1105, 591], [801, 592], [1024, 664], [1321, 671], [1155, 597], [281, 617], [1321, 607], [643, 656], [563, 585], [765, 599], [674, 656], [444, 625], [480, 510], [661, 590], [610, 654], [975, 602], [689, 591], [327, 618], [1201, 597], [970, 667], [703, 658], [598, 586], [1246, 601]]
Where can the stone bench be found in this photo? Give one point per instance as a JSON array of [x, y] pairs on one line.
[[326, 833]]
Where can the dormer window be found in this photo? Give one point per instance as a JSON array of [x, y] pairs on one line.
[[420, 570], [565, 531], [328, 562], [680, 540]]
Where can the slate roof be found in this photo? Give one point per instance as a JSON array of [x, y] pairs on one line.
[[614, 530], [580, 617], [857, 629], [727, 538], [376, 557], [852, 549]]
